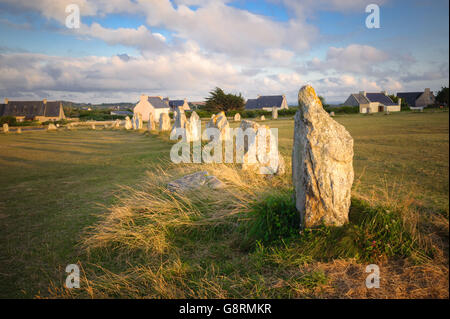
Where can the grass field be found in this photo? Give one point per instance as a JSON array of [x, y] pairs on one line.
[[61, 203]]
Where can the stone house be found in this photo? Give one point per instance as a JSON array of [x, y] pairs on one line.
[[267, 103], [372, 102], [41, 111], [174, 104], [418, 100], [151, 104]]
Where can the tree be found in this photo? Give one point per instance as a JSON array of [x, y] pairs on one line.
[[442, 96], [219, 101], [403, 104]]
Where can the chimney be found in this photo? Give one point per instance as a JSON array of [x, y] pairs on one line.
[[362, 93], [6, 100], [427, 90], [144, 97], [45, 101], [384, 92]]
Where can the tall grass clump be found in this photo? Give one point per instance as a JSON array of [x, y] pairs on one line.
[[274, 218], [372, 232]]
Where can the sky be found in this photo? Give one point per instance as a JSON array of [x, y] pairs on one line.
[[186, 48]]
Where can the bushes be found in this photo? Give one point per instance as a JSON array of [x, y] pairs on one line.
[[248, 114], [343, 109], [10, 120]]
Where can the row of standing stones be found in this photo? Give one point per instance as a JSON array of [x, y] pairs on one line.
[[322, 155], [322, 158]]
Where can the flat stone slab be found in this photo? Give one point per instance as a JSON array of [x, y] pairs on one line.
[[195, 180]]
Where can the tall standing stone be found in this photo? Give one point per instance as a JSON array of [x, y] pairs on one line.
[[5, 128], [274, 163], [134, 121], [274, 113], [263, 118], [151, 125], [195, 132], [322, 164], [140, 124], [180, 118], [220, 122], [51, 127], [128, 124], [164, 122], [237, 117]]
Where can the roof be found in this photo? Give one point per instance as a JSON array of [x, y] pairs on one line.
[[381, 98], [409, 97], [175, 103], [360, 98], [157, 102], [30, 109], [264, 101]]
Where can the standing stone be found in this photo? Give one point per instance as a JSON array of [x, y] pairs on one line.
[[274, 113], [5, 128], [93, 126], [164, 122], [51, 127], [135, 121], [322, 164], [331, 113], [140, 123], [19, 130], [220, 122], [151, 126], [274, 164], [195, 131], [180, 118], [116, 124], [237, 117], [263, 118], [128, 124]]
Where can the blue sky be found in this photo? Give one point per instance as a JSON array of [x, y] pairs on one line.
[[185, 48]]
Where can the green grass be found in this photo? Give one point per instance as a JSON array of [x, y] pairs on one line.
[[402, 154], [53, 185], [143, 242]]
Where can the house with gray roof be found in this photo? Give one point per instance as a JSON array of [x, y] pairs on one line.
[[418, 100], [41, 111], [151, 104], [174, 104], [372, 102], [267, 103]]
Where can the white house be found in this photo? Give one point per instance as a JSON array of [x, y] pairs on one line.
[[151, 104], [372, 102]]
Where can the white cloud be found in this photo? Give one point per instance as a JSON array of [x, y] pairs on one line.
[[353, 58], [141, 37]]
